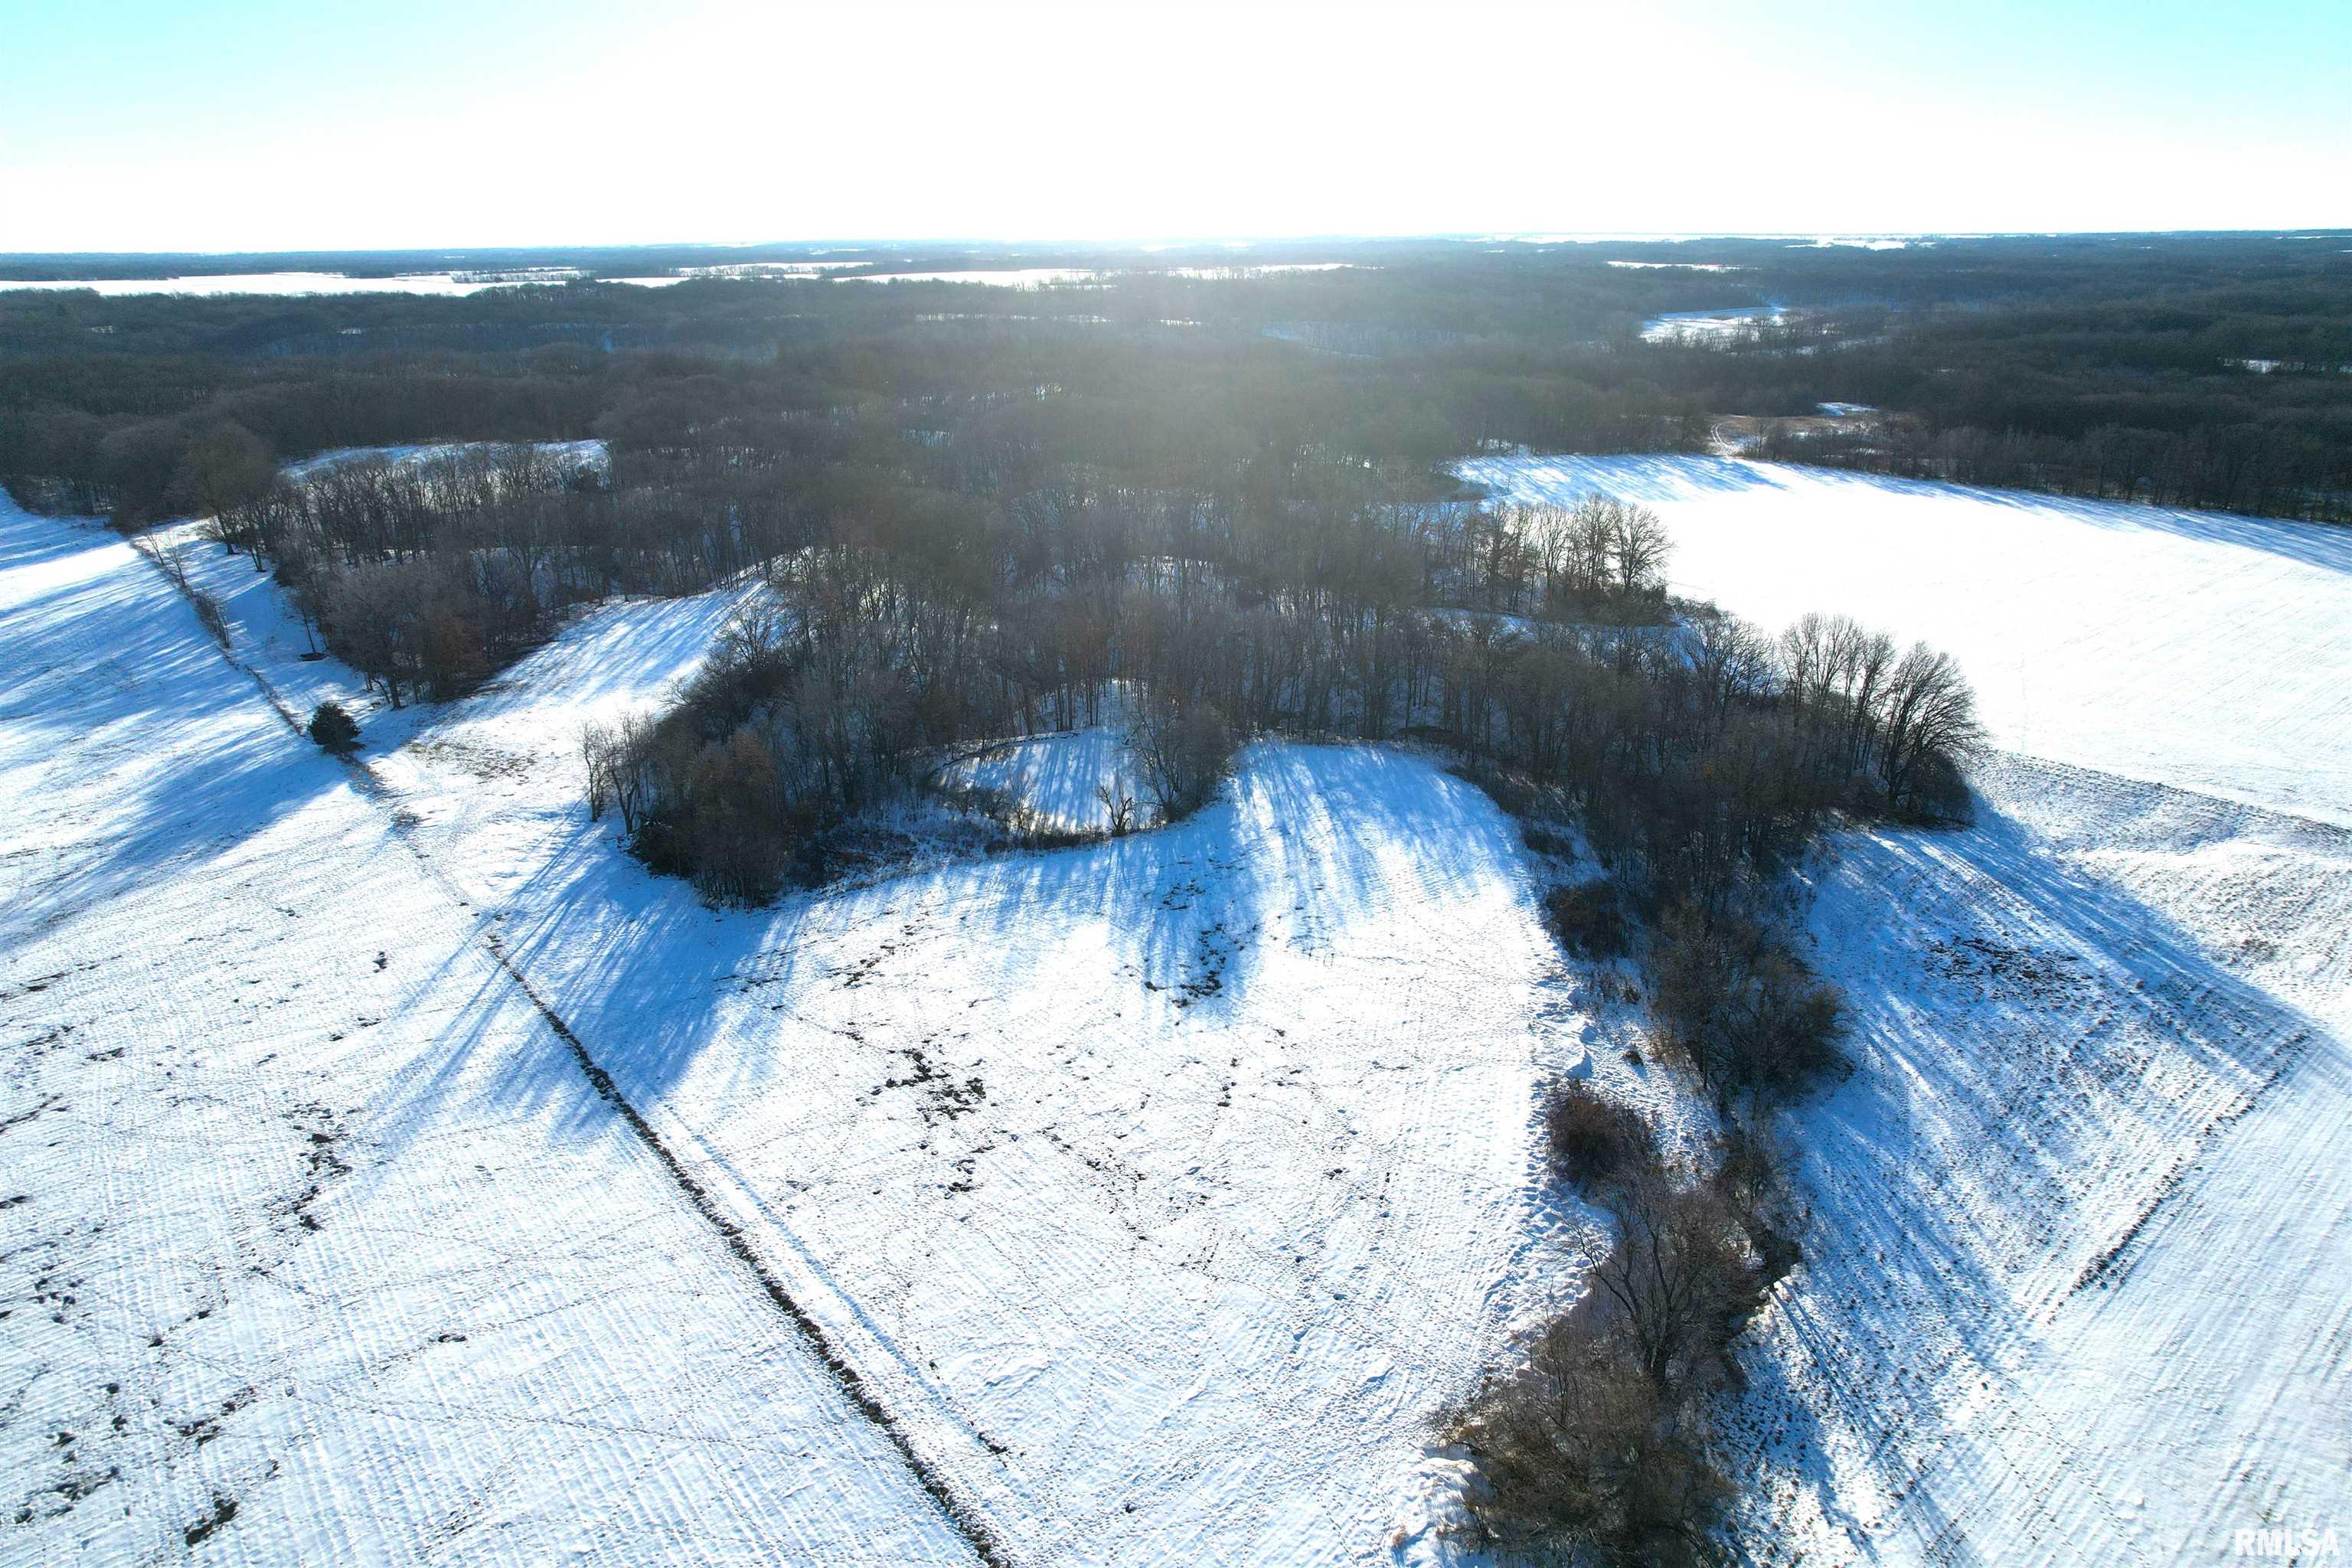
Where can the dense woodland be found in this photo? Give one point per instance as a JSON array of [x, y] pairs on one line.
[[2206, 371]]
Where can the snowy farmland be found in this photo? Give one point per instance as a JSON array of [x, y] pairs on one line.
[[316, 1245], [2080, 1282], [1110, 1172], [1154, 1192], [2208, 652]]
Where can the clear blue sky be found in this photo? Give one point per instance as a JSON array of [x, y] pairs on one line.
[[244, 124]]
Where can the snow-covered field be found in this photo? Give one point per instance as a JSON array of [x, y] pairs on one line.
[[315, 1244], [2080, 1276], [2209, 652], [2079, 1283], [1676, 325], [1156, 1190], [1113, 1167], [1112, 1172]]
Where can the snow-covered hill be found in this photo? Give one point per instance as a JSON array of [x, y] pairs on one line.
[[1115, 1169], [1114, 1173]]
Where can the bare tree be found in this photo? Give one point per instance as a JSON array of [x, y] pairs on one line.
[[1119, 808], [1928, 713], [1638, 548], [1182, 748], [1678, 1281]]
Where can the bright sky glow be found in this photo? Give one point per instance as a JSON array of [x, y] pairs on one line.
[[253, 125]]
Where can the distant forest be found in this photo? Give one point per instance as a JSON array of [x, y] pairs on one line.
[[2202, 371]]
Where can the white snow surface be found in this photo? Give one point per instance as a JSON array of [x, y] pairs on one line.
[[310, 1216], [1112, 1171], [1124, 1160], [1159, 1189], [590, 453], [1059, 777], [2206, 651], [2078, 1285], [1678, 325]]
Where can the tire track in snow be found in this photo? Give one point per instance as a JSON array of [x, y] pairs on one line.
[[965, 1518]]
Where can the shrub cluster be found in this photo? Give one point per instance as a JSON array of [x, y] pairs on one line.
[[1597, 1442], [1591, 1140], [1588, 918], [1743, 1008]]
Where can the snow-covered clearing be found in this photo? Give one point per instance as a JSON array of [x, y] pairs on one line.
[[2209, 652], [583, 454], [1678, 325], [1060, 778]]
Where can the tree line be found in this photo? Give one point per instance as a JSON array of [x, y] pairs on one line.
[[1299, 603]]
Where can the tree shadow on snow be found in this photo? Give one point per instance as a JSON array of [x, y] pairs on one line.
[[1304, 840], [2038, 1056], [128, 729]]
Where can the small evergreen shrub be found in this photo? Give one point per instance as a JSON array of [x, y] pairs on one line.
[[334, 729]]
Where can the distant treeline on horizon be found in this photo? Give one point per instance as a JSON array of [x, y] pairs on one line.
[[2210, 370]]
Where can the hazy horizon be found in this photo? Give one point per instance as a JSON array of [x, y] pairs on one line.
[[442, 127], [847, 244]]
